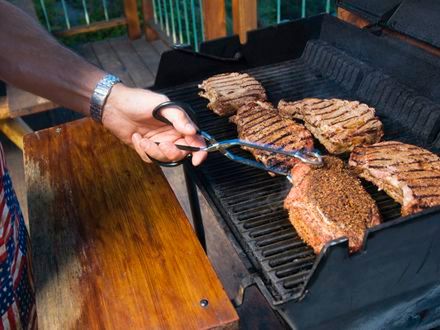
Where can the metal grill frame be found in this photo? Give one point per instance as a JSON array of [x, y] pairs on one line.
[[335, 254]]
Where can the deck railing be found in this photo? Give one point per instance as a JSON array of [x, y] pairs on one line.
[[180, 21], [192, 21], [70, 17]]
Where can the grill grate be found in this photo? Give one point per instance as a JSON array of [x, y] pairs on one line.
[[250, 200]]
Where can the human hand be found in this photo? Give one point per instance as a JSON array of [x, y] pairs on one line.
[[128, 115]]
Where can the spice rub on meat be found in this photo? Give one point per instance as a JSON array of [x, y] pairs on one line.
[[409, 174], [260, 122], [340, 125], [329, 202], [226, 92]]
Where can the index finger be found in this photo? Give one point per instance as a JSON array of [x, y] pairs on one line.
[[180, 120]]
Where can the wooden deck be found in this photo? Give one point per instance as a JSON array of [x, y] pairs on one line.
[[134, 61]]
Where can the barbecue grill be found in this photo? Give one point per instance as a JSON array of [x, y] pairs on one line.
[[394, 281]]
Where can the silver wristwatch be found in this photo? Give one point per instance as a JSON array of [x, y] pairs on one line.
[[100, 94]]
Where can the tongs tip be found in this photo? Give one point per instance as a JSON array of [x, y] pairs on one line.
[[311, 157]]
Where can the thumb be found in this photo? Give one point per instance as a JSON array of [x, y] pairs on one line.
[[180, 121]]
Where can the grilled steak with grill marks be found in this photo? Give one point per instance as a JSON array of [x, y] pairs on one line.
[[328, 203], [260, 122], [339, 125], [228, 91], [409, 174]]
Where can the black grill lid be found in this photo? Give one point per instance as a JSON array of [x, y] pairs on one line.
[[419, 19], [372, 10]]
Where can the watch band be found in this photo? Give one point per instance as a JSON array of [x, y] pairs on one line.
[[100, 94]]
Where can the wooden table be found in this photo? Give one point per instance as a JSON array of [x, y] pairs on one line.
[[112, 247]]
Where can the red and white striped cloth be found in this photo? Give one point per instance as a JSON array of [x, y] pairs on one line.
[[17, 295]]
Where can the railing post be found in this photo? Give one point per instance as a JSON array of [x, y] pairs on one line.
[[214, 18], [148, 12], [131, 14], [244, 13]]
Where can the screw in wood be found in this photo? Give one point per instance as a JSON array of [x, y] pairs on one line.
[[204, 303]]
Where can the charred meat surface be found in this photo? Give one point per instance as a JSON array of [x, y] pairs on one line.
[[409, 174], [260, 122], [226, 92], [329, 202], [340, 125]]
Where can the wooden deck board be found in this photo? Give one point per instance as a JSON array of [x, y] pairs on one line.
[[148, 54], [4, 107], [22, 103], [135, 67], [110, 62], [86, 50], [160, 46], [120, 252]]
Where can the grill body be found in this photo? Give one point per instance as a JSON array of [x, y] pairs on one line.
[[393, 282]]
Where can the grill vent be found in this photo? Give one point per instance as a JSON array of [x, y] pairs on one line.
[[393, 101], [334, 64]]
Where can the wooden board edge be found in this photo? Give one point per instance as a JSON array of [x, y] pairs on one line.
[[4, 107]]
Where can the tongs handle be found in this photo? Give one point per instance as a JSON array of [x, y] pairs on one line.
[[186, 108]]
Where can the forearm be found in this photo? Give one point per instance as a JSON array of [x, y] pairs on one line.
[[31, 59]]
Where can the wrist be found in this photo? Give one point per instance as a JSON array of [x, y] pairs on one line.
[[114, 103]]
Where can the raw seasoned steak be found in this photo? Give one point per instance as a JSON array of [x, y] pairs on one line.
[[260, 122], [339, 125], [328, 203], [226, 92], [409, 174]]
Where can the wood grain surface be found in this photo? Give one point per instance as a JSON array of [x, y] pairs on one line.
[[244, 13], [148, 15], [22, 103], [131, 14], [214, 18], [4, 107], [352, 18], [110, 62], [93, 27], [15, 129], [142, 77], [112, 248]]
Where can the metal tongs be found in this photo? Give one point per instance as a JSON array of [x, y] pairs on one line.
[[309, 157]]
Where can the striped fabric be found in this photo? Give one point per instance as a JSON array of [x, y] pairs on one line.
[[17, 299]]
